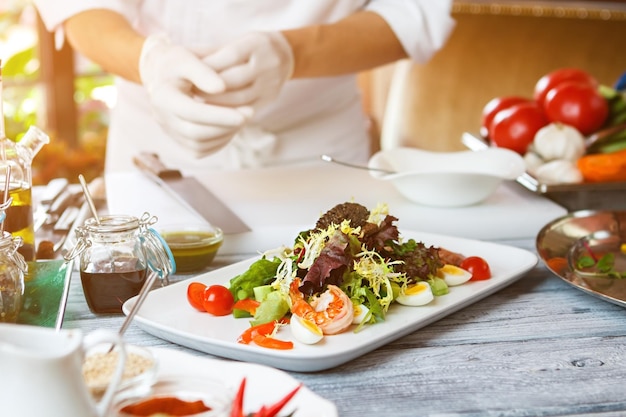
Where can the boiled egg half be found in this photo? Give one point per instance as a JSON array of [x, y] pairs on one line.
[[305, 331], [360, 312], [453, 275], [417, 294]]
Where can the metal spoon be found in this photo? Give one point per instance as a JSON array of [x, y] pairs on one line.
[[92, 206], [328, 158], [147, 286]]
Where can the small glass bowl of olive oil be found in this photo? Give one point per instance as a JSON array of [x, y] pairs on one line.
[[194, 246]]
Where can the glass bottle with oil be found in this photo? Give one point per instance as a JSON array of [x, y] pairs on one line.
[[19, 157]]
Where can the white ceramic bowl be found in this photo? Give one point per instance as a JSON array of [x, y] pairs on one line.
[[214, 395], [446, 179], [139, 373]]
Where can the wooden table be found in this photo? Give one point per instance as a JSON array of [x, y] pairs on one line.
[[536, 348]]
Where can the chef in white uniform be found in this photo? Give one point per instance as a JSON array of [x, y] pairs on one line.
[[234, 84]]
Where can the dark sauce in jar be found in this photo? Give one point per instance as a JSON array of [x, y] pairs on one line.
[[105, 292]]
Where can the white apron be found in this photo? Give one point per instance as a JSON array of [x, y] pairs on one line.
[[310, 117]]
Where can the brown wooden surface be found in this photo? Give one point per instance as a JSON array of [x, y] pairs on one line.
[[489, 56], [57, 76]]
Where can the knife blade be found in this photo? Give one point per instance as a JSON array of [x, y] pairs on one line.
[[193, 194]]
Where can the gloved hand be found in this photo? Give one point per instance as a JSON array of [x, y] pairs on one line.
[[254, 69], [173, 77]]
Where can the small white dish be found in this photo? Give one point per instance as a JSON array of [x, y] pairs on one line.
[[446, 179], [139, 373]]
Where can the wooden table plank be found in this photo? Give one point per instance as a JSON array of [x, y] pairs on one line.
[[536, 348]]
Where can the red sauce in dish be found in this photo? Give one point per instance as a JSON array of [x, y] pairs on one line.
[[166, 405]]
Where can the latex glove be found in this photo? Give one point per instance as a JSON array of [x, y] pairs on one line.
[[254, 69], [173, 76]]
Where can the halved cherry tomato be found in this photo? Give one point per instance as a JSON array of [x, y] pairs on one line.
[[218, 300], [195, 295], [247, 304], [272, 343], [477, 266]]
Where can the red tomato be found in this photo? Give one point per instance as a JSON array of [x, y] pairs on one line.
[[195, 295], [554, 78], [218, 300], [577, 104], [493, 107], [477, 266], [515, 128]]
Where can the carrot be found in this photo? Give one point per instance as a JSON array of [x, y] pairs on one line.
[[603, 167], [557, 264]]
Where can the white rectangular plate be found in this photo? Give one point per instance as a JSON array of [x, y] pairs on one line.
[[167, 314]]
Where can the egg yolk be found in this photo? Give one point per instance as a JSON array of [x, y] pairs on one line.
[[416, 289]]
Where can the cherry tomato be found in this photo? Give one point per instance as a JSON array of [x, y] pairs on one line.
[[577, 104], [556, 77], [515, 127], [218, 300], [493, 106], [195, 295], [477, 266]]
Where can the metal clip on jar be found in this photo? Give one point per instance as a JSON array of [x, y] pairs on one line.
[[115, 256], [12, 270]]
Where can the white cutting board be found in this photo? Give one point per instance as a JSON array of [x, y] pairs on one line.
[[278, 202]]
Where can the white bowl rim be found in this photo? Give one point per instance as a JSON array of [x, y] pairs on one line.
[[507, 164]]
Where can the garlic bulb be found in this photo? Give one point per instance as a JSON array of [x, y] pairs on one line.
[[558, 171], [559, 141], [532, 161]]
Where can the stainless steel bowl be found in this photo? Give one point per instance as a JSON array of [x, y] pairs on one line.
[[562, 242]]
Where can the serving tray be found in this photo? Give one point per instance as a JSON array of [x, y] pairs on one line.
[[556, 239], [583, 196]]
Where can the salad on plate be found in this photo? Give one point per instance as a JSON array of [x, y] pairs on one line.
[[344, 273]]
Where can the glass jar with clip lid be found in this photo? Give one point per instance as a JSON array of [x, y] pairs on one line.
[[116, 253], [13, 267]]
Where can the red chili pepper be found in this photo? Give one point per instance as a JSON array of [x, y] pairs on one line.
[[261, 413], [272, 343], [264, 329], [247, 304], [264, 411], [274, 409], [237, 409]]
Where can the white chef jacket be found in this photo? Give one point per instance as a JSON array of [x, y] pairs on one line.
[[310, 117]]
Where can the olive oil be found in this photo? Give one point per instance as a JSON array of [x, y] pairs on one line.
[[193, 250], [19, 220]]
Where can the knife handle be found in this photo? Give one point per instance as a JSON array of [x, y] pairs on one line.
[[150, 162]]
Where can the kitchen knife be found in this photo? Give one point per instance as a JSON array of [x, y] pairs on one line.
[[191, 193]]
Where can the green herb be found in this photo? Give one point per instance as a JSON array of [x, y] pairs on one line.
[[261, 272], [604, 265]]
